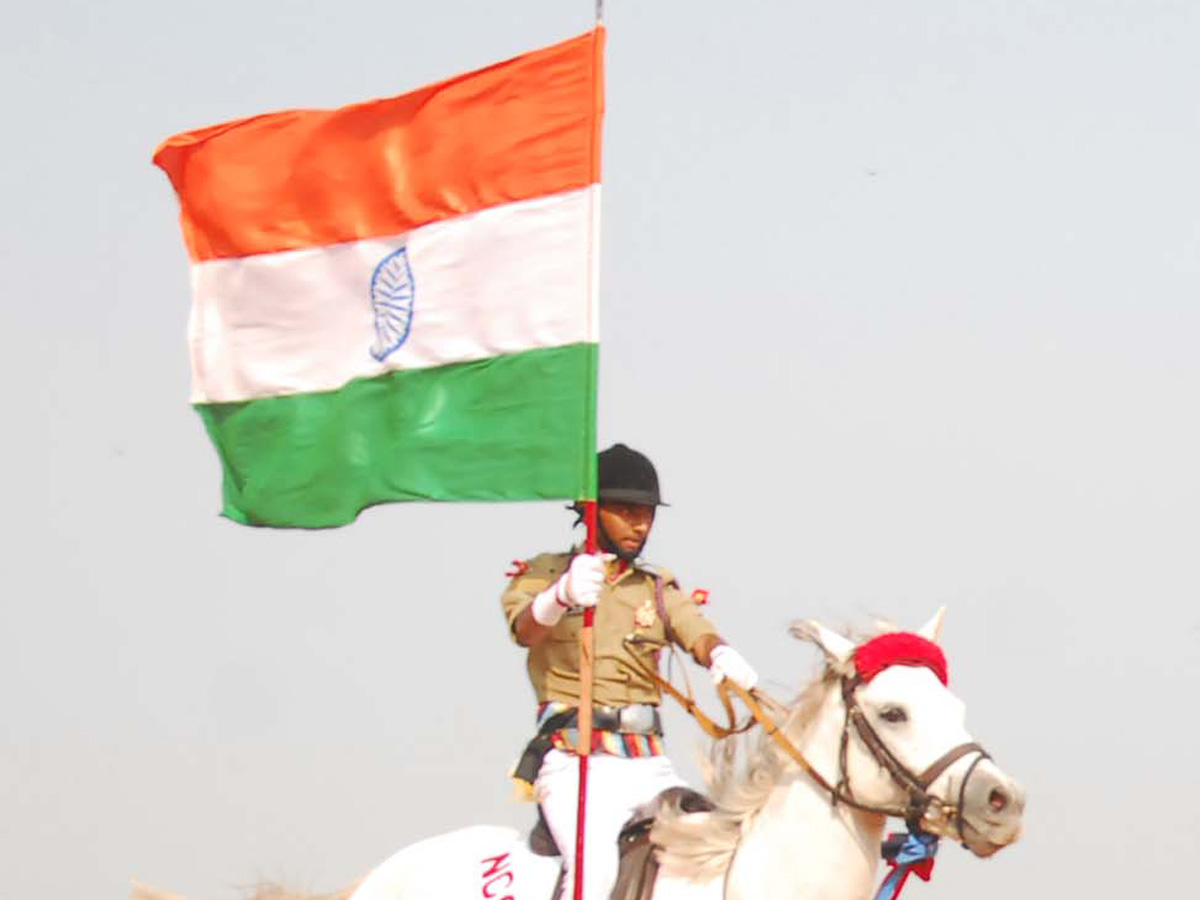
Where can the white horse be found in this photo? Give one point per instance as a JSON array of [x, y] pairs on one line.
[[802, 818]]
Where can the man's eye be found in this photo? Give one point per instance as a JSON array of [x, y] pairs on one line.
[[893, 714]]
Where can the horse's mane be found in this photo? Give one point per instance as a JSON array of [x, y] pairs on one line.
[[741, 773]]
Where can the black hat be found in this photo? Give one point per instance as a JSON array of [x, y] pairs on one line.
[[627, 476]]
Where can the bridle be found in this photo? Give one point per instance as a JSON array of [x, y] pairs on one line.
[[917, 787], [920, 804], [920, 800]]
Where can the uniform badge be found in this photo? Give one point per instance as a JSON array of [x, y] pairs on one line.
[[646, 615], [700, 596]]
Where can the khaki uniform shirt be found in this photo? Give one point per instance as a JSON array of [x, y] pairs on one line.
[[626, 609]]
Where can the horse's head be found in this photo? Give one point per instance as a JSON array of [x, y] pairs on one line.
[[904, 749]]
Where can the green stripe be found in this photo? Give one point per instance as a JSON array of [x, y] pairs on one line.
[[515, 427]]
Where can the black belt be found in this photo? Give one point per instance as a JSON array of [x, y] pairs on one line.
[[638, 718]]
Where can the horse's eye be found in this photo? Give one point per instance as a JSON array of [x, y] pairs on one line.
[[893, 714]]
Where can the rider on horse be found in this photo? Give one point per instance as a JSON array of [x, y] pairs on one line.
[[640, 609]]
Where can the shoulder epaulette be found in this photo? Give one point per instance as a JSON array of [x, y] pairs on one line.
[[550, 562], [666, 575]]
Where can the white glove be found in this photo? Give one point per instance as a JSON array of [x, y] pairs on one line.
[[580, 585], [728, 663]]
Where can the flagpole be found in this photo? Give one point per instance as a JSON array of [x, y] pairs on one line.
[[586, 649], [586, 639]]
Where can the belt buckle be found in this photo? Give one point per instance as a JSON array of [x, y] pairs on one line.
[[637, 718]]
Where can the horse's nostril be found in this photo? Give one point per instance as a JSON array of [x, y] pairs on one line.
[[997, 800]]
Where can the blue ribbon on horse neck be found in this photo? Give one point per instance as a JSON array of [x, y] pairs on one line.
[[907, 853]]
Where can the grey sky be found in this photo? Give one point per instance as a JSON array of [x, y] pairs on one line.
[[903, 298]]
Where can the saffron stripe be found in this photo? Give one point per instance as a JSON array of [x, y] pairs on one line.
[[304, 178]]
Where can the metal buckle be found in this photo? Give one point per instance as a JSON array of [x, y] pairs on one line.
[[638, 718]]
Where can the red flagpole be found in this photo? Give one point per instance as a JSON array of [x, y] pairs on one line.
[[586, 647], [586, 641]]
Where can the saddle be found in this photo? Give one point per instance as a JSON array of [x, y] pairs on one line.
[[638, 868]]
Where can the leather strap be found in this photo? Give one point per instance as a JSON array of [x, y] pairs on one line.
[[711, 728], [949, 758], [660, 603]]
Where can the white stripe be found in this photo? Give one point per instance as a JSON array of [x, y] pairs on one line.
[[511, 278]]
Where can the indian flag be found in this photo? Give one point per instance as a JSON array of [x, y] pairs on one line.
[[397, 300]]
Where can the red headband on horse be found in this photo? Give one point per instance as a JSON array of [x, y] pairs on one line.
[[900, 648]]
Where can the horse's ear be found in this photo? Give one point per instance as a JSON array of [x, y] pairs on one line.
[[837, 648], [932, 630]]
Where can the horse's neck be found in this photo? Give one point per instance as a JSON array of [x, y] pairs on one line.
[[801, 848]]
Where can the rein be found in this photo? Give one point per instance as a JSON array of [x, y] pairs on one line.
[[711, 728]]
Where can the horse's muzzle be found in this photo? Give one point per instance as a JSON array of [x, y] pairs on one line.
[[993, 807]]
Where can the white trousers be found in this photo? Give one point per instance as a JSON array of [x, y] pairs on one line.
[[616, 787]]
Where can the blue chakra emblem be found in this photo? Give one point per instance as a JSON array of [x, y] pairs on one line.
[[392, 293]]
